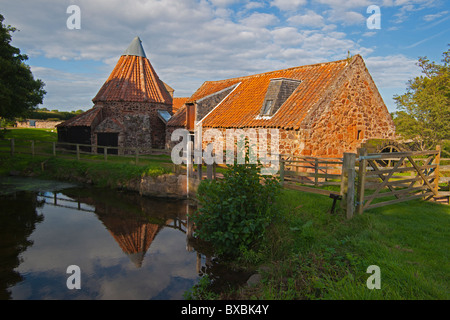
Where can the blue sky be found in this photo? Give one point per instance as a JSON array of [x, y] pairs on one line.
[[192, 41]]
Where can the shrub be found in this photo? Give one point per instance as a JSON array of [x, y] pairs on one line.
[[234, 212]]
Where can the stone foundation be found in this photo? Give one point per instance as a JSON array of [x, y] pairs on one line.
[[165, 186]]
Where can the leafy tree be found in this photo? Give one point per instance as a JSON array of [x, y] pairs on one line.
[[19, 91], [424, 110]]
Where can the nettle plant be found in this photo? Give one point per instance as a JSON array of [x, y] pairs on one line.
[[234, 212]]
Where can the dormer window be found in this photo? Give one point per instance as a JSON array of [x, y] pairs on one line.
[[279, 90], [267, 108]]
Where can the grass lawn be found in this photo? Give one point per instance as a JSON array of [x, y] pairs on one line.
[[43, 146], [311, 254], [48, 135]]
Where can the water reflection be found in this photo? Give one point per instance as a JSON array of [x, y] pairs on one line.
[[127, 246], [18, 219]]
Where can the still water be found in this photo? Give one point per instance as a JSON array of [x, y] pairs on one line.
[[126, 246]]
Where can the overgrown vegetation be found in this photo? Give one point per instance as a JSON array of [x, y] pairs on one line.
[[234, 212]]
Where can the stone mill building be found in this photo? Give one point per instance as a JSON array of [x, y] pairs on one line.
[[320, 110], [130, 110]]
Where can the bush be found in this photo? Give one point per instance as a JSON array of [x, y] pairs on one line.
[[234, 212]]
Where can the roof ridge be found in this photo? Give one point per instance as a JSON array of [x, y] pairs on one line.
[[280, 70]]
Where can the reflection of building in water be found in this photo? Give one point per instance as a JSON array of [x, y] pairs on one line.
[[133, 235], [132, 220]]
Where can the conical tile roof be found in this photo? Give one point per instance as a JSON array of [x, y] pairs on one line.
[[133, 79]]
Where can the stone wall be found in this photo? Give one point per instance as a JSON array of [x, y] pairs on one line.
[[166, 186], [353, 113], [43, 124], [137, 123]]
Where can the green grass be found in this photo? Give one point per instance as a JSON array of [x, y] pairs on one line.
[[48, 135], [311, 254], [43, 139], [101, 174]]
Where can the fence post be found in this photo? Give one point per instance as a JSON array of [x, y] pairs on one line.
[[348, 184], [78, 152], [200, 172], [209, 171], [137, 156], [105, 153], [32, 148], [12, 146], [316, 172], [362, 152], [437, 160], [281, 170], [54, 148]]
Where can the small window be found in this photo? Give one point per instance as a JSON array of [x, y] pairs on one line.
[[267, 107], [359, 134]]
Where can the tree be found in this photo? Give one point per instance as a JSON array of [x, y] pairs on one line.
[[424, 110], [19, 91]]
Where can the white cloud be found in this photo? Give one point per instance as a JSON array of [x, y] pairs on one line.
[[347, 4], [223, 3], [260, 20], [187, 41], [346, 17], [68, 90], [392, 71], [310, 19], [369, 34], [288, 5], [431, 17], [254, 5]]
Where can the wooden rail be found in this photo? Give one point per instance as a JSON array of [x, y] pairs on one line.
[[311, 171], [422, 181], [78, 150], [364, 180]]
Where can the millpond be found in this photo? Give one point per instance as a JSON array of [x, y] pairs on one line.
[[55, 236]]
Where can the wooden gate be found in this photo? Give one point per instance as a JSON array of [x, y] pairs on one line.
[[410, 175]]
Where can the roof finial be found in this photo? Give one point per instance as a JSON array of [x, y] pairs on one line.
[[135, 48]]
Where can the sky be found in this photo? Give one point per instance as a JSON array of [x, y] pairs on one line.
[[189, 42]]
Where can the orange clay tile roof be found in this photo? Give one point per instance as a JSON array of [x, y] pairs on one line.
[[178, 103], [242, 106], [133, 79], [84, 119]]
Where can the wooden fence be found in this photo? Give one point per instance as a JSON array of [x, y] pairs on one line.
[[310, 172], [362, 181], [412, 175], [79, 151], [369, 180]]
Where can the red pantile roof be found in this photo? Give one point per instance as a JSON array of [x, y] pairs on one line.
[[178, 103], [242, 107], [84, 119], [134, 79]]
